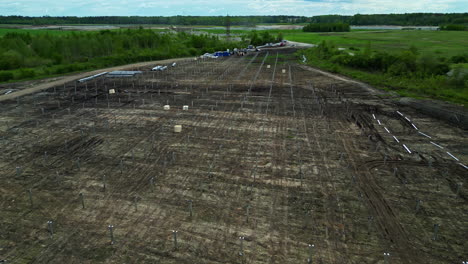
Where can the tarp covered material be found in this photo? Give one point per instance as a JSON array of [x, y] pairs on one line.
[[222, 54], [124, 72], [91, 77], [119, 74], [208, 55]]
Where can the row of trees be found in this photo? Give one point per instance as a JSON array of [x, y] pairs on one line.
[[406, 63], [23, 55], [173, 20], [264, 37], [453, 27], [326, 27], [411, 19], [407, 72]]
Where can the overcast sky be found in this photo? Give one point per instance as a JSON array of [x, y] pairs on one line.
[[223, 7]]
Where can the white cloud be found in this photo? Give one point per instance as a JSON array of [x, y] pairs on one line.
[[233, 7]]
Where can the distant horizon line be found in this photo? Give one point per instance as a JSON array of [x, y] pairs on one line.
[[39, 16]]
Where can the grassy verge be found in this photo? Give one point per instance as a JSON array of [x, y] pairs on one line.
[[435, 87]]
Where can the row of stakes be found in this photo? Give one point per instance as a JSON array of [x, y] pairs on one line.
[[241, 244], [386, 255], [110, 227]]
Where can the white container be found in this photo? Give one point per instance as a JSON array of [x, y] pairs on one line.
[[185, 108], [112, 91], [284, 71], [167, 107], [268, 66], [178, 128]]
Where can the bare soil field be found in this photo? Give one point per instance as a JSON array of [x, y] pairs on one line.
[[276, 163]]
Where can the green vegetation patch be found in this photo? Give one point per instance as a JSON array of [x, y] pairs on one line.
[[409, 72], [27, 56]]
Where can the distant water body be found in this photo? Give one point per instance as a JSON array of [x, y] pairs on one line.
[[396, 27], [375, 27]]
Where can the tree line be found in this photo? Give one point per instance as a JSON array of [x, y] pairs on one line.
[[139, 20], [405, 71], [326, 27], [23, 55], [410, 19], [454, 27]]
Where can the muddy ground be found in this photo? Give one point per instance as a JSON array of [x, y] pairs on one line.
[[270, 151]]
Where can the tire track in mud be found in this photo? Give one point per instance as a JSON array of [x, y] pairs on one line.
[[124, 153]]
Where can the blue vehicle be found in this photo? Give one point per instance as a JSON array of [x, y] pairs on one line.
[[222, 54]]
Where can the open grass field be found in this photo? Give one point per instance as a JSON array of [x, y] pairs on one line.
[[439, 43]]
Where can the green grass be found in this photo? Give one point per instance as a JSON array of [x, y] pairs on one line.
[[439, 43], [428, 88]]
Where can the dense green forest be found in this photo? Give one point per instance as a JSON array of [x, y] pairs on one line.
[[26, 56], [173, 20], [326, 27], [411, 19], [408, 72], [453, 27]]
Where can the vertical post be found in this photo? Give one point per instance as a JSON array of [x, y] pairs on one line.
[[152, 182], [436, 231], [135, 200], [369, 223], [386, 256], [418, 205], [50, 227], [78, 163], [104, 182], [241, 252], [311, 248], [247, 213], [301, 173], [82, 200], [18, 171], [30, 198], [191, 208], [174, 234], [459, 185], [111, 233]]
